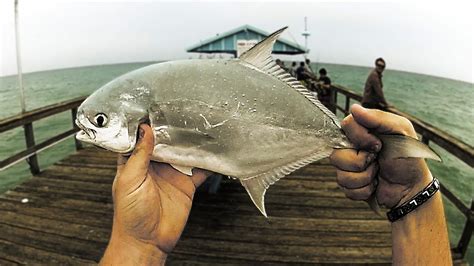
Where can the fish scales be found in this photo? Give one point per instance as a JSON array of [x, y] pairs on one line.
[[249, 137]]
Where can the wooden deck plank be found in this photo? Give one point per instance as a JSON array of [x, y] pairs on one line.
[[284, 253], [69, 213], [78, 248], [24, 254]]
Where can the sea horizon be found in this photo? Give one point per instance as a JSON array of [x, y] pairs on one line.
[[160, 61]]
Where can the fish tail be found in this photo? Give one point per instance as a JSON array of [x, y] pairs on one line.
[[396, 146]]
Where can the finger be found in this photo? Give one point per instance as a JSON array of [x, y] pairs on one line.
[[137, 164], [382, 122], [359, 135], [351, 160], [362, 193], [353, 180]]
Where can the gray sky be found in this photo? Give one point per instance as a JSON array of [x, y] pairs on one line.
[[422, 37]]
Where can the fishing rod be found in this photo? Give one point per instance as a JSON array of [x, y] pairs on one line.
[[18, 59]]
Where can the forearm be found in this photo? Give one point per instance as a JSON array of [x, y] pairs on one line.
[[421, 237], [125, 250]]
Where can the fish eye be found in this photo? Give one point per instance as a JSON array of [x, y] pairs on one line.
[[100, 120]]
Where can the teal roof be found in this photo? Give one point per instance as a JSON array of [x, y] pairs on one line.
[[226, 42]]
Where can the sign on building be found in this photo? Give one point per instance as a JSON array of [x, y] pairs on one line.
[[244, 45]]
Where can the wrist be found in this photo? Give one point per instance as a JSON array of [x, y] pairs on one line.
[[408, 194], [127, 250]]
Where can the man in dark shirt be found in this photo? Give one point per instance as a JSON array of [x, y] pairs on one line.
[[373, 92], [324, 87], [301, 73]]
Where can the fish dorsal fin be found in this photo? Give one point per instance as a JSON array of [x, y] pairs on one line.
[[257, 185], [261, 54], [260, 57]]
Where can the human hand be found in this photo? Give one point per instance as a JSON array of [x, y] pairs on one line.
[[398, 179], [151, 205]]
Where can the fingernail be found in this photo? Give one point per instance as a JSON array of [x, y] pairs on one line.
[[370, 158], [376, 147], [141, 133]]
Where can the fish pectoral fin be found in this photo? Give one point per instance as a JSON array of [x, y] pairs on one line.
[[183, 169]]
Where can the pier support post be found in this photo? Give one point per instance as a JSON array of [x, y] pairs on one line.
[[30, 142], [332, 100], [467, 232]]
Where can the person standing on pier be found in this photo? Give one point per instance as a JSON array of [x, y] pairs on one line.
[[373, 92], [293, 69], [324, 88]]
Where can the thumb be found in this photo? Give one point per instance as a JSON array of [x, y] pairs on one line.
[[137, 165], [381, 122]]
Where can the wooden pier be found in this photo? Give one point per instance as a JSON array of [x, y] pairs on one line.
[[63, 215], [68, 217]]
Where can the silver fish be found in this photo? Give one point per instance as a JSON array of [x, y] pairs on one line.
[[246, 118]]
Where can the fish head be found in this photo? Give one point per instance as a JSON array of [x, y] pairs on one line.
[[110, 117]]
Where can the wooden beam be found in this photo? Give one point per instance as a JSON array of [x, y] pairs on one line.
[[453, 145], [34, 115], [35, 149]]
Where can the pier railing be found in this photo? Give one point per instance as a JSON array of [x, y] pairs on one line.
[[26, 120], [429, 134]]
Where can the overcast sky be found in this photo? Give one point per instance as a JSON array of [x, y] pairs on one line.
[[420, 37]]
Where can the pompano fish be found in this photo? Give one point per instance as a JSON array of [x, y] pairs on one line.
[[245, 118]]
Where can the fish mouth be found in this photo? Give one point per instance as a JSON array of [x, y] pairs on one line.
[[84, 131]]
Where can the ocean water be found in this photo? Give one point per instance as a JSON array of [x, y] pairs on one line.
[[446, 104]]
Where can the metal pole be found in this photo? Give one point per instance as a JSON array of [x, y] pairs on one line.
[[18, 60], [306, 34]]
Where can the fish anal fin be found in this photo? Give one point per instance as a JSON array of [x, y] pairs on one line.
[[257, 185], [183, 169], [256, 190]]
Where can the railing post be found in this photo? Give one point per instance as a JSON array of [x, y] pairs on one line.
[[30, 142], [74, 115], [467, 232], [425, 139], [332, 100], [348, 102]]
